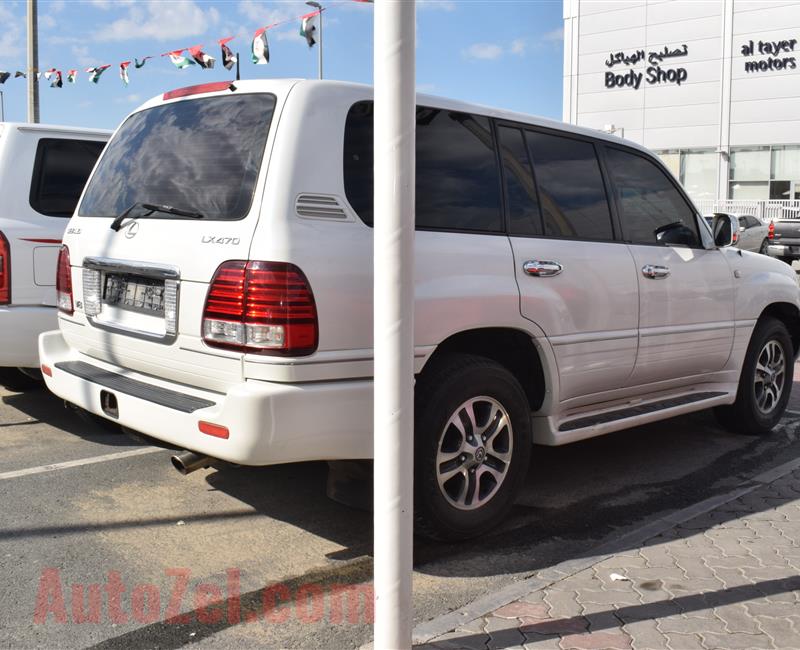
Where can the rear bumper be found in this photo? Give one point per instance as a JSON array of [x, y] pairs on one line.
[[19, 332], [269, 423], [784, 250]]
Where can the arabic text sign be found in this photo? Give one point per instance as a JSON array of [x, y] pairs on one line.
[[654, 74]]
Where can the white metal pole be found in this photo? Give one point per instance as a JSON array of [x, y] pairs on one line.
[[395, 121]]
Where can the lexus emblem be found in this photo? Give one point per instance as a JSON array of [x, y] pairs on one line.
[[130, 231]]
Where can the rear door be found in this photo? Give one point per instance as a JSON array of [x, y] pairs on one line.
[[575, 281], [686, 295], [142, 284]]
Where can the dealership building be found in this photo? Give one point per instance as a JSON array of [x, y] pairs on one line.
[[712, 86]]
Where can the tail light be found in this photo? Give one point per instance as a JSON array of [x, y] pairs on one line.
[[771, 234], [261, 307], [5, 271], [64, 281]]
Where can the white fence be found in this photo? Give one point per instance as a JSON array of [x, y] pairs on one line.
[[765, 210]]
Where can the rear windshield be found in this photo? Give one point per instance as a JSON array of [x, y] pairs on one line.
[[200, 155]]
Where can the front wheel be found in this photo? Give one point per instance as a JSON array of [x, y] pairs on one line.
[[472, 447], [765, 382]]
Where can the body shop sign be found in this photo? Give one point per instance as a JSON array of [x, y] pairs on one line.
[[654, 74]]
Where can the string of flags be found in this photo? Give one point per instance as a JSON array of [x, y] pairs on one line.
[[259, 48]]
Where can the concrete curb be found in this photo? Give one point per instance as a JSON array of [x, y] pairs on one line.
[[445, 623]]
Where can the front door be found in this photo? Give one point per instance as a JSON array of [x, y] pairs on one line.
[[685, 290]]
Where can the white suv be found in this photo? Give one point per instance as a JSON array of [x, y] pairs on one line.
[[42, 172], [215, 290]]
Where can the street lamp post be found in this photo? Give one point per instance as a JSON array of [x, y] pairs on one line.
[[319, 7], [2, 108]]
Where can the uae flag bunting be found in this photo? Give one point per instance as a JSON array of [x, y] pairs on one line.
[[228, 57], [4, 76], [138, 64], [260, 47], [94, 73], [308, 27], [123, 72], [19, 74], [56, 82], [72, 75], [49, 73], [205, 61], [178, 60]]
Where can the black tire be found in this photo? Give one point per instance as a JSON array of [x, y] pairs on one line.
[[787, 260], [440, 391], [744, 415], [764, 245], [17, 381]]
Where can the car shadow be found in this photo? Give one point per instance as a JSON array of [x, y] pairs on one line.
[[575, 498], [42, 406]]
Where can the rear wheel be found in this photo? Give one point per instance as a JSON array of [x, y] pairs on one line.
[[765, 382], [472, 447], [764, 246], [788, 260]]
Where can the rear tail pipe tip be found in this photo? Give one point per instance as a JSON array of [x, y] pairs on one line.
[[188, 461]]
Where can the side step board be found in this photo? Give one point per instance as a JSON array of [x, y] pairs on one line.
[[635, 411]]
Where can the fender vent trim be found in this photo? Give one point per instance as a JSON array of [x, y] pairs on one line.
[[320, 206]]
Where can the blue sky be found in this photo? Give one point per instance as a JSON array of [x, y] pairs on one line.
[[503, 53]]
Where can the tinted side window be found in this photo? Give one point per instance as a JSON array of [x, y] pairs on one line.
[[457, 186], [358, 160], [571, 190], [59, 174], [522, 204], [651, 209]]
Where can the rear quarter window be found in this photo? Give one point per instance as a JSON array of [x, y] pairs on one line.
[[60, 171], [457, 179]]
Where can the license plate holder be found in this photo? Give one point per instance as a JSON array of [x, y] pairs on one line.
[[134, 293]]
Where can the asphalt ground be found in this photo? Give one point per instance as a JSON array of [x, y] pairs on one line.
[[127, 553]]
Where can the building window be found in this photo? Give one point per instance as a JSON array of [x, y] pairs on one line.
[[749, 174], [785, 173], [696, 169], [761, 173]]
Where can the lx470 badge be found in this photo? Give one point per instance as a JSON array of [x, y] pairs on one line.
[[222, 241]]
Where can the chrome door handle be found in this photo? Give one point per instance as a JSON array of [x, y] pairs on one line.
[[542, 268], [655, 272]]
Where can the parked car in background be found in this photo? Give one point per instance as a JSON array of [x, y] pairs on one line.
[[784, 237], [43, 170], [753, 234], [215, 291]]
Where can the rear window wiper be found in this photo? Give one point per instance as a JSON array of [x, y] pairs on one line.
[[151, 208]]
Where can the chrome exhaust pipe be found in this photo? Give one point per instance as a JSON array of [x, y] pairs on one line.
[[188, 461]]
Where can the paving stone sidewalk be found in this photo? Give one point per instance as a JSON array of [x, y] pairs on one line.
[[726, 579]]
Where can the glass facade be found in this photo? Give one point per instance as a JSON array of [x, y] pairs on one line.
[[696, 169], [761, 173], [755, 173]]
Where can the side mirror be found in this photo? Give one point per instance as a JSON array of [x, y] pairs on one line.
[[742, 228], [726, 229]]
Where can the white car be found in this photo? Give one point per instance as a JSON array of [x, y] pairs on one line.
[[42, 172], [215, 290]]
